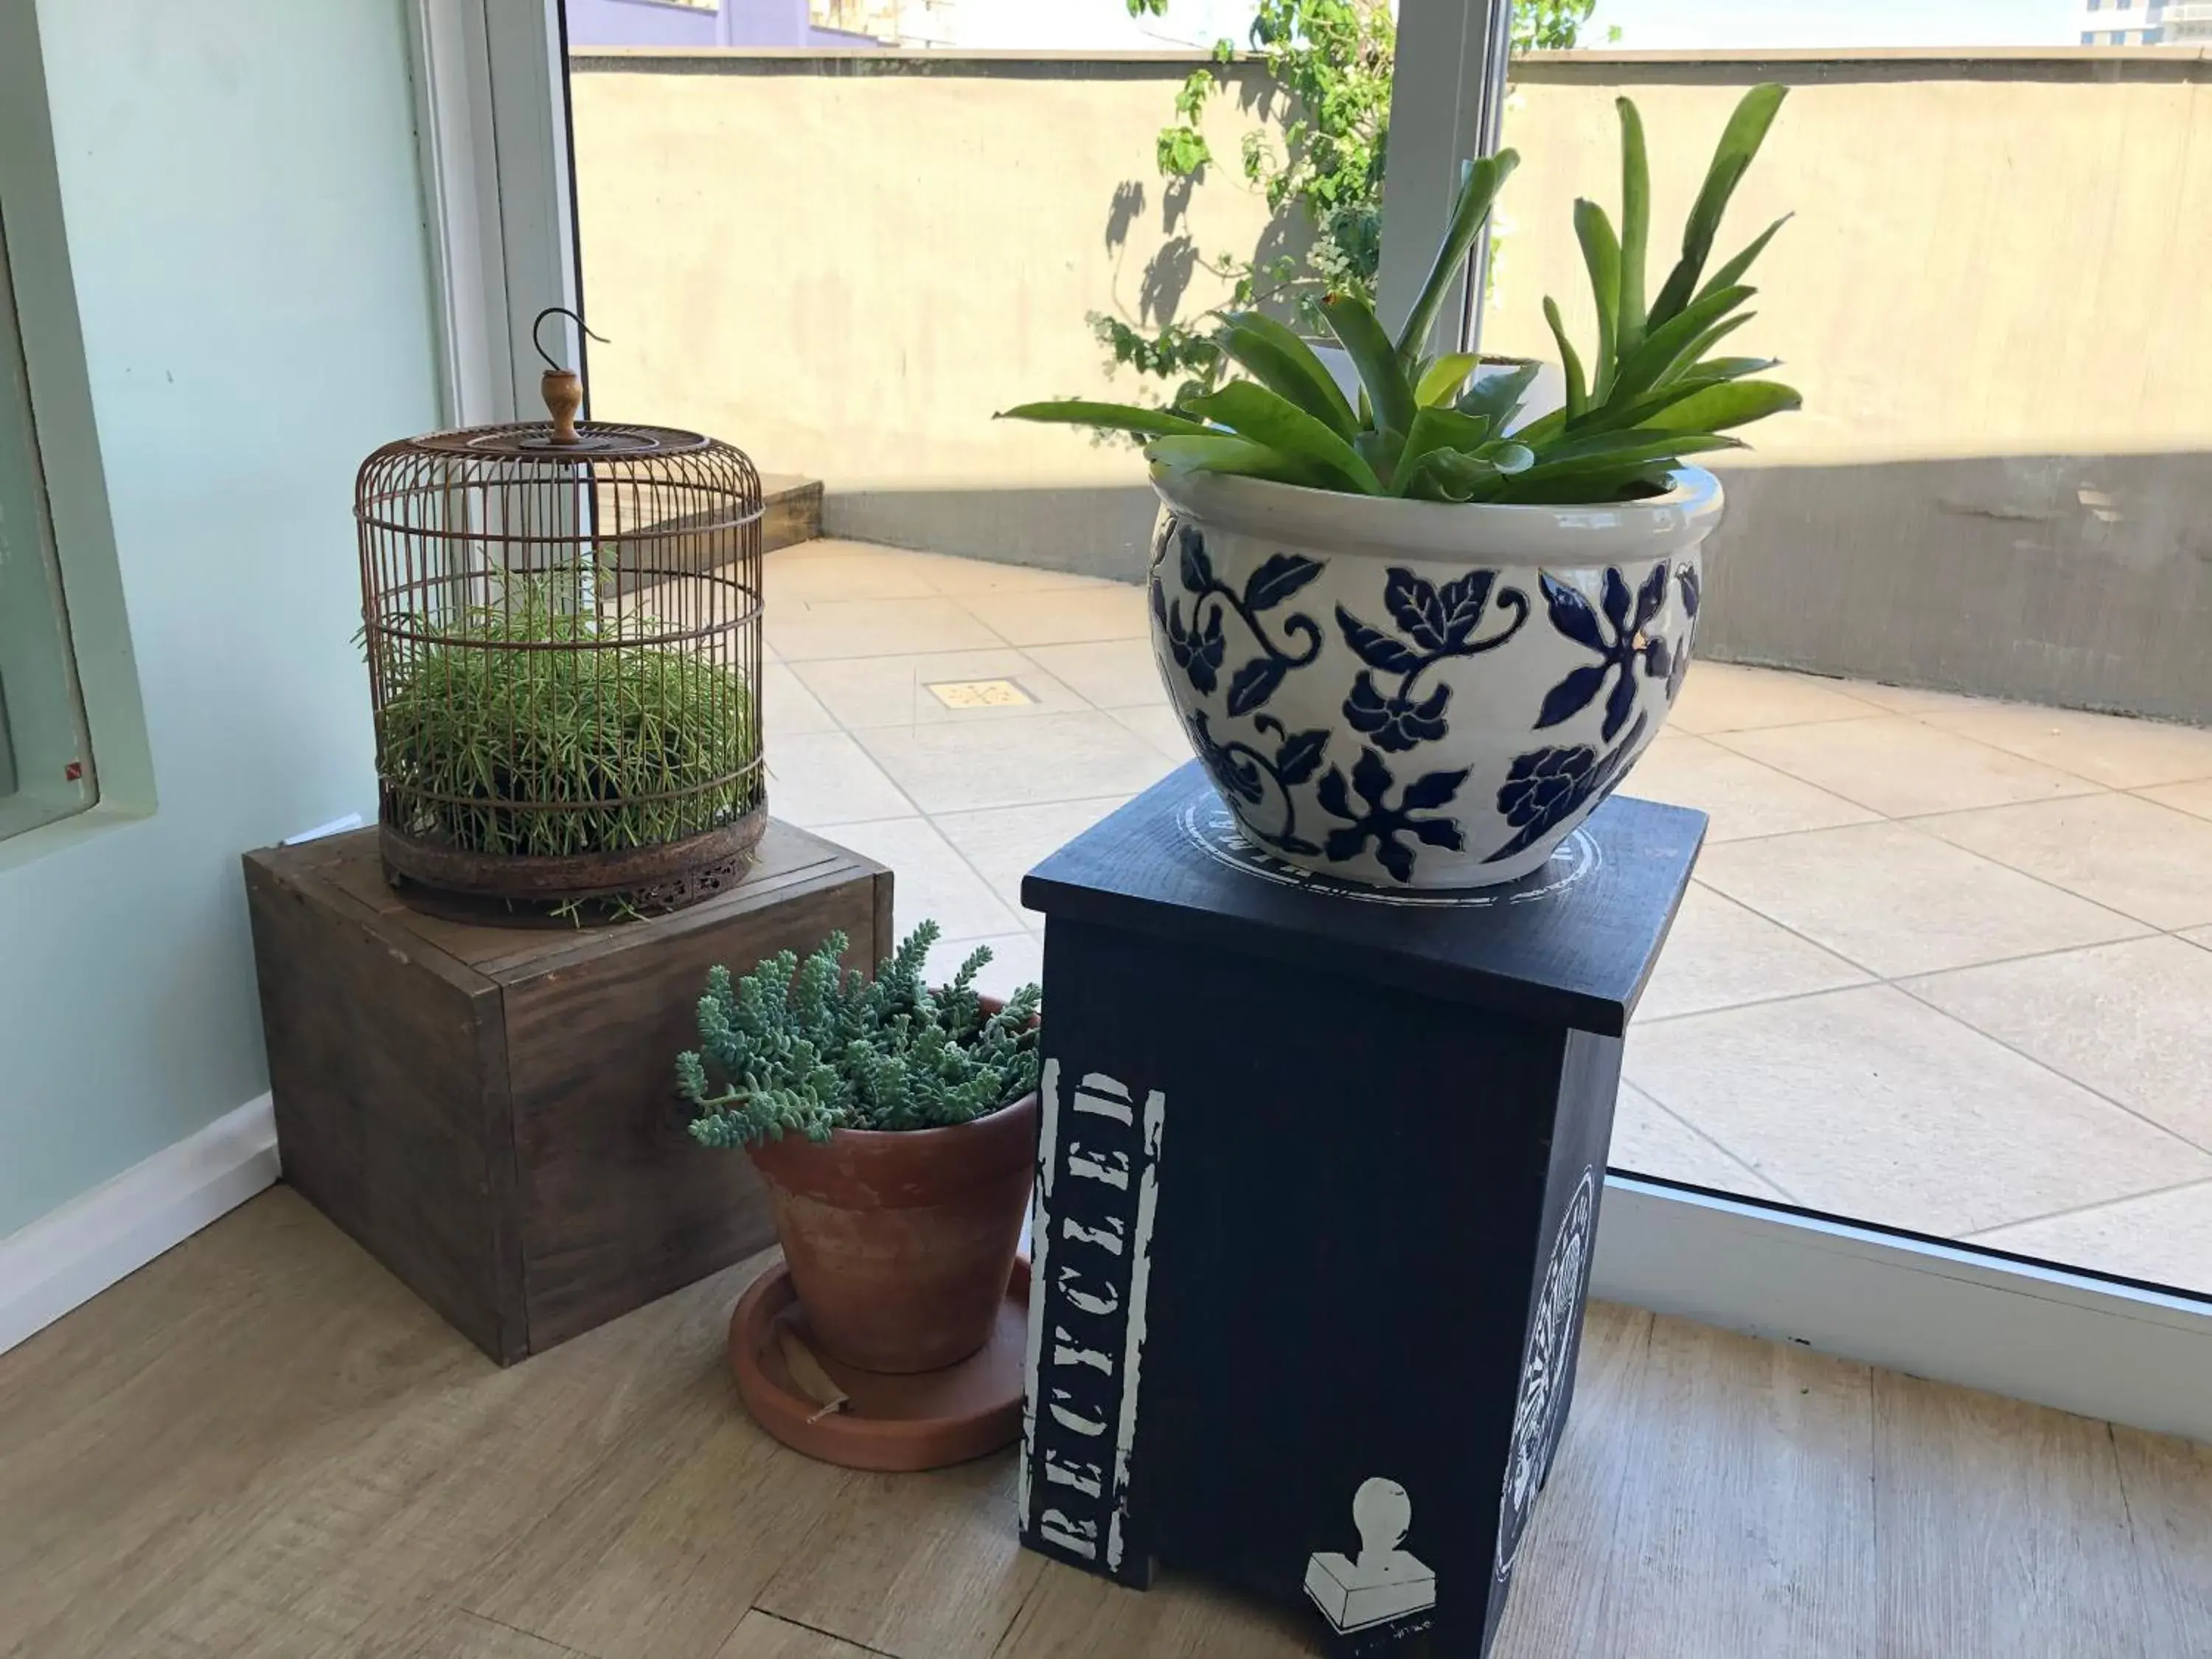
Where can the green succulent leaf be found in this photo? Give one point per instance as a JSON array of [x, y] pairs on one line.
[[1601, 258], [1668, 342], [1626, 456], [1439, 383], [1732, 273], [1479, 184], [1352, 320], [1687, 359], [1446, 475], [1498, 396], [1252, 412], [1286, 365], [1444, 445], [1115, 417], [1219, 452], [1577, 389], [1728, 403], [1624, 413], [1635, 224], [1739, 141]]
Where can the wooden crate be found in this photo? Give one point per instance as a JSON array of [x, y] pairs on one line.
[[491, 1111]]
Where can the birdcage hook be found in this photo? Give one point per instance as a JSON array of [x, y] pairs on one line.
[[561, 388], [560, 311]]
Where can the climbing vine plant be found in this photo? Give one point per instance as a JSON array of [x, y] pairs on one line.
[[1328, 64]]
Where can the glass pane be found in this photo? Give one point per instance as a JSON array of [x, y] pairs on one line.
[[1945, 964], [845, 260], [45, 764], [1945, 968]]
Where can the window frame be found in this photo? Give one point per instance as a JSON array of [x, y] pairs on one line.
[[59, 380]]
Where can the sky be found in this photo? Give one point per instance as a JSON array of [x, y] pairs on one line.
[[1661, 25], [1647, 25]]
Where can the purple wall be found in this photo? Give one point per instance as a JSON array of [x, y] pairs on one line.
[[737, 23]]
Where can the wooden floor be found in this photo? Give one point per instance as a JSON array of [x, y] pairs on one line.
[[262, 1445]]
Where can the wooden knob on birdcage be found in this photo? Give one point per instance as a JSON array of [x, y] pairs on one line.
[[564, 391]]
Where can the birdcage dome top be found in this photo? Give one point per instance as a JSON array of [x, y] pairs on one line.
[[536, 443]]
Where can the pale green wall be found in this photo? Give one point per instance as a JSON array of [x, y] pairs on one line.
[[244, 228]]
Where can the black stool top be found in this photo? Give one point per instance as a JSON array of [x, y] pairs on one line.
[[1570, 944]]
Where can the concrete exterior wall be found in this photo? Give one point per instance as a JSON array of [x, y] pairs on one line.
[[846, 264], [1993, 297]]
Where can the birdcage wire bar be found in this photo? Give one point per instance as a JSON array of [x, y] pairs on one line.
[[564, 653]]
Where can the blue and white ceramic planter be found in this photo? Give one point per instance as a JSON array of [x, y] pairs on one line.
[[1414, 694]]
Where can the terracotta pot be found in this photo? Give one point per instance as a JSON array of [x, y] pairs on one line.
[[899, 1241]]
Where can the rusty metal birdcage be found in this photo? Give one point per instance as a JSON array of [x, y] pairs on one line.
[[564, 630]]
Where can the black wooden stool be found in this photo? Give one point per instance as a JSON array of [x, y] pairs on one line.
[[1318, 1181]]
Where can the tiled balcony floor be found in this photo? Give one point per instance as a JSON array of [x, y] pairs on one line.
[[1947, 964]]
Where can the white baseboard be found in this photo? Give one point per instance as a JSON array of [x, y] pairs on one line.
[[64, 1260], [1949, 1313]]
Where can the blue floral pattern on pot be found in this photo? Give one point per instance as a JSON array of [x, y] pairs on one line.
[[1373, 819], [1441, 624], [1623, 639], [1198, 649], [1692, 586], [1440, 733], [1548, 786]]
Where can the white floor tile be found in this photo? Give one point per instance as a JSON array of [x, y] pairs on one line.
[[1742, 797], [2165, 1238], [873, 574], [1724, 696], [1897, 901], [1648, 1140], [873, 628], [787, 708], [1866, 1102], [2132, 855], [825, 778], [1901, 767], [2106, 749], [1115, 611], [1158, 726], [1721, 955], [930, 880], [1007, 843], [958, 768], [895, 690], [1109, 673], [2132, 1021]]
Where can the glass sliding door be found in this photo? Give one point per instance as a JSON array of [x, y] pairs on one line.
[[1948, 964], [1923, 1075]]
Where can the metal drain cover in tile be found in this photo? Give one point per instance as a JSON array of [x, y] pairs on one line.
[[980, 694]]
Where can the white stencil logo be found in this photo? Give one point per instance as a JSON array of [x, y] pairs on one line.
[[1383, 1582], [1543, 1372]]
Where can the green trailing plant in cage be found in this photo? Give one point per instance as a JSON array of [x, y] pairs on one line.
[[1428, 427], [809, 1048], [528, 726]]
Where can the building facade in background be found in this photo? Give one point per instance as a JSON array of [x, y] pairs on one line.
[[2147, 23], [911, 25], [706, 23]]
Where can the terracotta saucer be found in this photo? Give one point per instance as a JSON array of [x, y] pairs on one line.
[[897, 1424]]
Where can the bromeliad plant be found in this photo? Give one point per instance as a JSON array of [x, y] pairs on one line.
[[1652, 392], [810, 1049]]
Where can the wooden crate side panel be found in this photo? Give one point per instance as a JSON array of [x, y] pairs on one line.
[[387, 1071], [619, 1205]]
